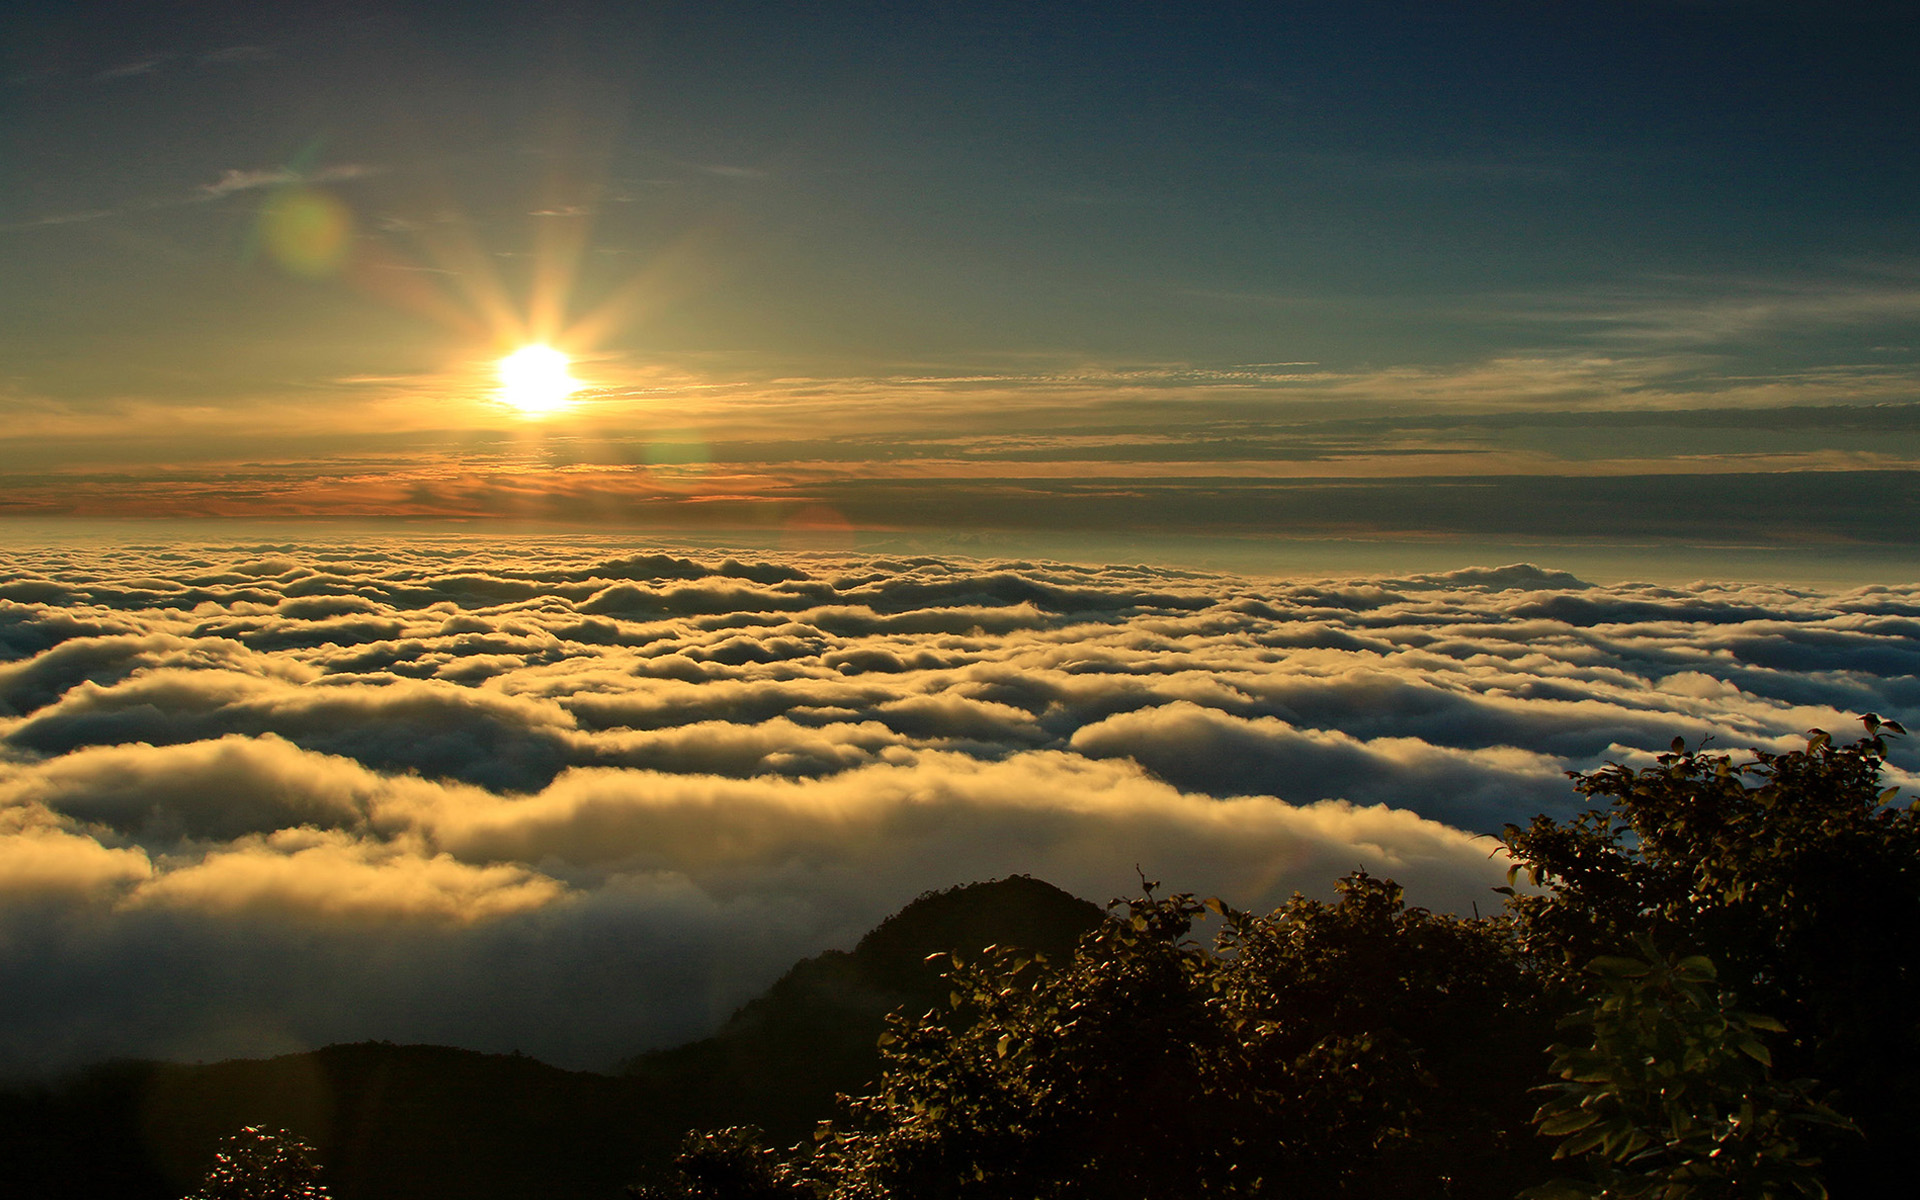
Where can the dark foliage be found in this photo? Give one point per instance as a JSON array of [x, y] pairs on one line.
[[730, 1164], [1794, 875], [1669, 1092], [1328, 1050], [778, 1063], [262, 1164]]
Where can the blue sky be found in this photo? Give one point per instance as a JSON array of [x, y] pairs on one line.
[[261, 264]]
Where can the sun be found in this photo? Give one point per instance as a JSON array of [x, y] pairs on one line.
[[534, 380]]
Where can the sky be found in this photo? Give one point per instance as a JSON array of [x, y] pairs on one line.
[[1644, 273], [1238, 444]]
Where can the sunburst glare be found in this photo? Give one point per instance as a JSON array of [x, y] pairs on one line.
[[535, 380]]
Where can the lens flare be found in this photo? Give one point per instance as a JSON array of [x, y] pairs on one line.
[[534, 380], [307, 232]]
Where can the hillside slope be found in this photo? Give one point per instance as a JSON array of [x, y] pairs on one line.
[[780, 1060]]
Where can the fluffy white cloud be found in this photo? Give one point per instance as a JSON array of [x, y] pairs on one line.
[[1217, 751], [580, 801], [41, 859], [329, 876]]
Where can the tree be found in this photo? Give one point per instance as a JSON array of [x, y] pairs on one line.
[[1795, 875], [262, 1164]]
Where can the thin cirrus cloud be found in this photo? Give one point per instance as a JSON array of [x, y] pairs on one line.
[[1554, 444], [234, 180], [568, 798], [132, 69]]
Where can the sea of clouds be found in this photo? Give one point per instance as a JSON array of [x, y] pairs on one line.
[[566, 798]]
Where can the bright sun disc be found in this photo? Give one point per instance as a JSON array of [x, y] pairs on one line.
[[534, 380]]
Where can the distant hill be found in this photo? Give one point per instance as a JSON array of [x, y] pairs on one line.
[[389, 1121], [437, 1123], [779, 1061]]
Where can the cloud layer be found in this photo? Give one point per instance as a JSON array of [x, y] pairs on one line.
[[577, 800]]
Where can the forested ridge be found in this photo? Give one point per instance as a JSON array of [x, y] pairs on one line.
[[1701, 987]]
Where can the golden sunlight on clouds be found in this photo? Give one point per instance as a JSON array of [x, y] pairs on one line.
[[39, 858], [535, 380], [329, 875]]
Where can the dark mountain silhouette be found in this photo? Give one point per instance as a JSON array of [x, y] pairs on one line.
[[780, 1060], [432, 1122]]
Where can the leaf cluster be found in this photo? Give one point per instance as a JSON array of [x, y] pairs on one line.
[[1669, 1095]]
